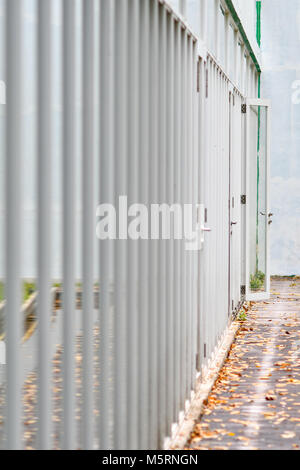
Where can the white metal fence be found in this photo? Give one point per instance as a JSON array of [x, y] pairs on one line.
[[113, 353]]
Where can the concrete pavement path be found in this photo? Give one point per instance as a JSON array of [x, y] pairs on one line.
[[255, 403]]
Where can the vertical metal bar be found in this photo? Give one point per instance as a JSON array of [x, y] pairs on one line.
[[223, 312], [188, 201], [195, 163], [177, 198], [236, 57], [88, 235], [208, 242], [219, 103], [68, 224], [215, 169], [201, 198], [153, 190], [106, 252], [14, 321], [242, 63], [170, 274], [209, 104], [184, 200], [217, 203], [143, 268], [247, 76], [121, 259], [221, 202], [161, 279], [204, 192], [247, 79], [210, 310], [217, 28], [133, 247], [218, 200], [268, 169], [252, 81], [228, 213], [44, 306], [225, 197], [227, 43]]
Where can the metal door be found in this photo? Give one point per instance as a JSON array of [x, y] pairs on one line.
[[214, 214], [234, 203]]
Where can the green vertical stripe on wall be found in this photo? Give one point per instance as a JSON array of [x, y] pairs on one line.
[[258, 22], [258, 38], [236, 19]]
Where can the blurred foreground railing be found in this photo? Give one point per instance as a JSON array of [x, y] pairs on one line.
[[117, 102]]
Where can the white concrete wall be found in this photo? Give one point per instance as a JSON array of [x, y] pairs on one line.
[[281, 83]]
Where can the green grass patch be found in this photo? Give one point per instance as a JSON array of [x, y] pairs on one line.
[[242, 317], [28, 288], [257, 281]]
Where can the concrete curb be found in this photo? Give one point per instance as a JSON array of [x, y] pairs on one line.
[[205, 382]]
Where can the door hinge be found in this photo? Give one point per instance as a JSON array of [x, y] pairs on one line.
[[243, 199], [206, 83], [244, 108], [243, 290]]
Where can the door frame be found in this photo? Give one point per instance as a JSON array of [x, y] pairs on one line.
[[236, 167], [230, 296], [251, 296]]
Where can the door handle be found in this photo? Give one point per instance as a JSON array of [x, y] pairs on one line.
[[233, 223], [270, 222], [205, 229], [269, 215]]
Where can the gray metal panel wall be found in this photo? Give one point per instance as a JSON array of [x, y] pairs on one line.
[[141, 317]]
